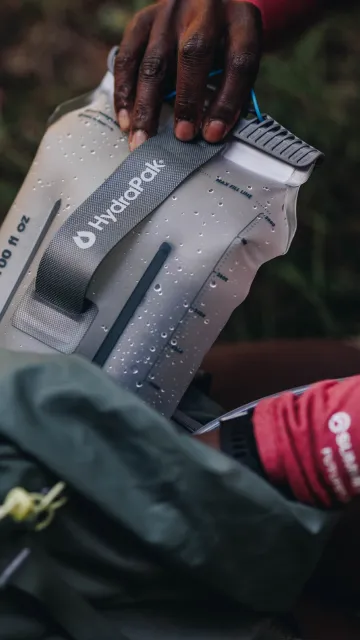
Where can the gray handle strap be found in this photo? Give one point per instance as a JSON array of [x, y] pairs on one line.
[[144, 181]]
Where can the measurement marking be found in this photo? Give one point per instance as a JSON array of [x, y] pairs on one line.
[[153, 384], [205, 287], [84, 115], [198, 312], [104, 115], [176, 349]]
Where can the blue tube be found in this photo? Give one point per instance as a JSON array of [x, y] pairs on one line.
[[256, 106]]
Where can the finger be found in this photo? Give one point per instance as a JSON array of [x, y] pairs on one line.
[[127, 63], [150, 89], [241, 68], [196, 54]]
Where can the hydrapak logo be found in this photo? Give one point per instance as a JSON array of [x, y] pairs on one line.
[[87, 239]]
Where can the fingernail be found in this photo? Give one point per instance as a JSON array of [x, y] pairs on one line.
[[138, 138], [214, 131], [185, 131], [124, 120]]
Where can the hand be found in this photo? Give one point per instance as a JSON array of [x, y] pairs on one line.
[[192, 36]]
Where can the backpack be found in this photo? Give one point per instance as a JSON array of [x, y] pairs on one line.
[[151, 534]]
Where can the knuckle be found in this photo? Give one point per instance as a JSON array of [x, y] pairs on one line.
[[244, 63], [196, 48], [153, 67], [141, 115], [122, 91], [122, 61]]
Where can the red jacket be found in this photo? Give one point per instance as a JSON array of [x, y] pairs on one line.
[[282, 15], [311, 443]]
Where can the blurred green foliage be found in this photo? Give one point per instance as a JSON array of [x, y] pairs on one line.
[[53, 50]]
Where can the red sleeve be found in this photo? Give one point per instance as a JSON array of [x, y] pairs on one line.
[[311, 443], [281, 15]]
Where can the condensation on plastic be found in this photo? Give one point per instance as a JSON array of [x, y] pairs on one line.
[[226, 220]]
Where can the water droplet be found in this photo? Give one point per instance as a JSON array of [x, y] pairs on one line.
[[266, 188], [179, 268], [87, 124], [206, 321], [212, 284], [104, 328], [67, 206], [249, 187], [69, 135], [221, 204], [211, 190], [135, 370], [199, 250], [186, 304], [173, 342], [164, 335], [272, 230], [255, 207], [139, 384], [39, 181], [92, 152], [196, 213], [268, 203], [174, 197], [157, 288]]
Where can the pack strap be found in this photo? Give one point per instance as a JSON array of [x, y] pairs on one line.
[[39, 578], [140, 185]]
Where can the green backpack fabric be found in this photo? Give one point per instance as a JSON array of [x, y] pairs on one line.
[[161, 536]]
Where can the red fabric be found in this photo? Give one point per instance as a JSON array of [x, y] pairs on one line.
[[278, 15], [311, 443]]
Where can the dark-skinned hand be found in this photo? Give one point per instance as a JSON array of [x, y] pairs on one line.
[[178, 43]]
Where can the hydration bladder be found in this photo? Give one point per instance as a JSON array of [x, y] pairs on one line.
[[136, 261]]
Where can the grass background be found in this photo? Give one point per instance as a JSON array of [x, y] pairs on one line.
[[52, 50]]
